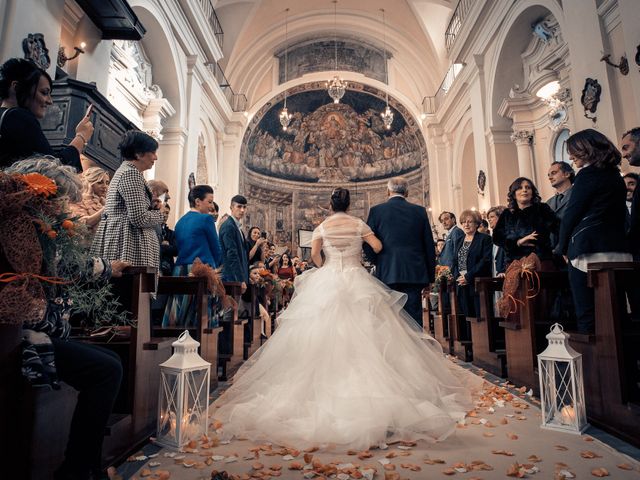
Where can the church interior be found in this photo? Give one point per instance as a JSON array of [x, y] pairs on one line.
[[282, 102]]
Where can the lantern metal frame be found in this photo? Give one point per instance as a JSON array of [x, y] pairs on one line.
[[183, 404], [561, 377]]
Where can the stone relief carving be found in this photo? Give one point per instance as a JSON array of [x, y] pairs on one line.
[[35, 49], [318, 55], [137, 72]]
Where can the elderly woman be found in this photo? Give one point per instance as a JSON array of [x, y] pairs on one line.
[[526, 225], [592, 227], [127, 230], [89, 208], [25, 91], [472, 259]]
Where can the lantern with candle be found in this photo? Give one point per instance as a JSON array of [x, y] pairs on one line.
[[561, 384], [184, 394]]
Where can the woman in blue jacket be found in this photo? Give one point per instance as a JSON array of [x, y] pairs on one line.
[[196, 237], [593, 227]]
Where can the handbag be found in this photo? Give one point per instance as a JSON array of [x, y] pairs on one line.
[[4, 114]]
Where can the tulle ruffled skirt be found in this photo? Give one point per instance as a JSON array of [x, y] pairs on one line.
[[346, 367]]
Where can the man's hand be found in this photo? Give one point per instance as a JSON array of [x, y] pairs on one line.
[[243, 287], [117, 266]]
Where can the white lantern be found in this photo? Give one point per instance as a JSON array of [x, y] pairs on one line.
[[183, 406], [561, 384]]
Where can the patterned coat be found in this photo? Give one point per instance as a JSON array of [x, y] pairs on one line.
[[127, 228]]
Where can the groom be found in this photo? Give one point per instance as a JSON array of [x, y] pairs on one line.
[[407, 261]]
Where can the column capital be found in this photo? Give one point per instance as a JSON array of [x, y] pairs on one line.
[[522, 137]]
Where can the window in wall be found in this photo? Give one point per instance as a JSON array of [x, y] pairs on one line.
[[560, 153]]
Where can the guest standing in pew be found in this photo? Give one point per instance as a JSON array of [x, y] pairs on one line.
[[89, 209], [256, 244], [472, 259], [631, 152], [499, 263], [592, 228], [196, 237], [168, 243], [25, 92], [526, 226], [127, 228], [234, 249], [561, 176]]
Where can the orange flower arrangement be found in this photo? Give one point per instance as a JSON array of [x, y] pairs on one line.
[[38, 184]]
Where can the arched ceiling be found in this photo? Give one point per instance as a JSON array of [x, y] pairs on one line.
[[254, 30]]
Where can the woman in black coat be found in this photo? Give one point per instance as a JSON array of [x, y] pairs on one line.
[[526, 225], [25, 92], [592, 228], [473, 258]]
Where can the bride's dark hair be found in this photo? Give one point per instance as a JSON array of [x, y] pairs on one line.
[[340, 200]]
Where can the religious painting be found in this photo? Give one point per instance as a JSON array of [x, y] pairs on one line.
[[329, 143]]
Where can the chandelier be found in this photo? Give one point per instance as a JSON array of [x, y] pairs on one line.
[[387, 115], [285, 116], [336, 86]]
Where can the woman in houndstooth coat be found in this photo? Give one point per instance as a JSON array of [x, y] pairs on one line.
[[127, 227]]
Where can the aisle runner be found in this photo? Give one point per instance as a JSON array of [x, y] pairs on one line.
[[500, 438]]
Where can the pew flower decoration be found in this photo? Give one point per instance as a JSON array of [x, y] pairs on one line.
[[46, 262], [443, 274]]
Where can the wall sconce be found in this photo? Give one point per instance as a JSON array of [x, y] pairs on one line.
[[623, 66], [62, 56]]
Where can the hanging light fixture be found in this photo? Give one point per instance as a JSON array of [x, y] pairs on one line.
[[285, 116], [337, 86], [387, 115]]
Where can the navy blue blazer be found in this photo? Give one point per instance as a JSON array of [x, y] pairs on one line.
[[235, 258], [408, 253], [594, 219], [449, 250]]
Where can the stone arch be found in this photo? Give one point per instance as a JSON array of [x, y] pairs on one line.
[[464, 165], [505, 68], [164, 55]]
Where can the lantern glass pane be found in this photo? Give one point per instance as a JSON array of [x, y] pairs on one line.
[[196, 402], [558, 390], [169, 383]]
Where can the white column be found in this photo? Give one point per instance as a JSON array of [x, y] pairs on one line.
[[584, 36], [168, 168], [523, 139]]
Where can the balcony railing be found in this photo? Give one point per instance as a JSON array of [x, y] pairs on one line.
[[212, 17], [430, 105], [237, 101], [457, 20]]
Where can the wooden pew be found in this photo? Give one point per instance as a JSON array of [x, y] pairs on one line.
[[459, 337], [440, 319], [253, 329], [202, 332], [231, 339], [525, 331], [488, 338], [427, 313], [611, 357]]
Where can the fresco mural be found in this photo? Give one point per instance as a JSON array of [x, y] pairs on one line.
[[328, 142]]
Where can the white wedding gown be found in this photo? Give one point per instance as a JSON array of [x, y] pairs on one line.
[[347, 366]]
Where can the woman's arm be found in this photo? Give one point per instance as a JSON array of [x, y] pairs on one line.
[[373, 241], [316, 248]]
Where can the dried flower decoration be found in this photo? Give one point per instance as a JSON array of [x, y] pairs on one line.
[[38, 184]]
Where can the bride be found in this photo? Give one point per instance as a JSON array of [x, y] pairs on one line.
[[347, 367]]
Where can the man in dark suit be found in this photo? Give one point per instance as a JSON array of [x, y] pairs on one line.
[[454, 233], [561, 177], [235, 263], [631, 151], [407, 261]]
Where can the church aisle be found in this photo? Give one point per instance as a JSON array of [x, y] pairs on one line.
[[500, 438]]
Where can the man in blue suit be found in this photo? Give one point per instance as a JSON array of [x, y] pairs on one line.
[[407, 261], [235, 263]]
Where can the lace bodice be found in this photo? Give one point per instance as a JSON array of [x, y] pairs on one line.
[[342, 240]]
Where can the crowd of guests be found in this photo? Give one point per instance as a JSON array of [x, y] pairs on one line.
[[594, 216]]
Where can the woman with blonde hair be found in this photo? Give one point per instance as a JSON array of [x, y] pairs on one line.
[[89, 209]]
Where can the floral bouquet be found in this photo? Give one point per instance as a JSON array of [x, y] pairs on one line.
[[443, 274]]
